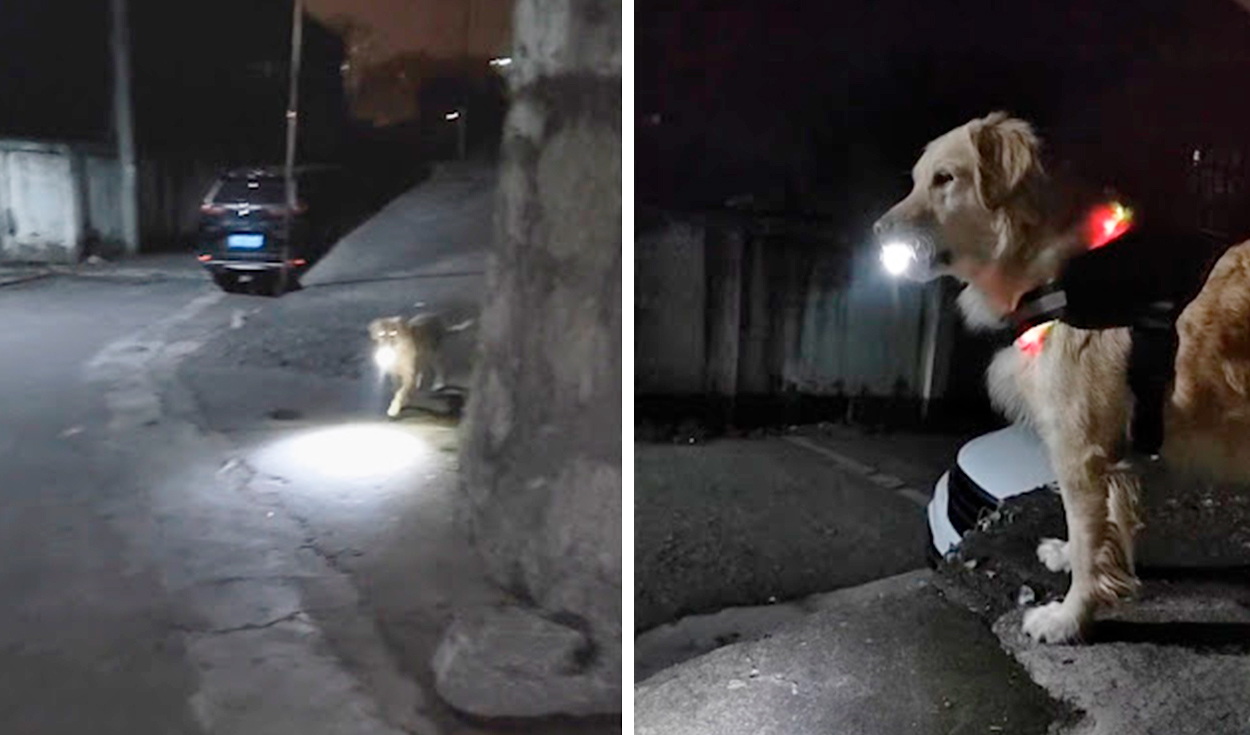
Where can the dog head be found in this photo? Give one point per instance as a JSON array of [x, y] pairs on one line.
[[386, 329], [972, 193]]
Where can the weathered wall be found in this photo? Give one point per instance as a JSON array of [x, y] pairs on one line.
[[727, 309], [669, 303], [103, 204], [542, 456], [868, 334], [40, 203], [60, 202]]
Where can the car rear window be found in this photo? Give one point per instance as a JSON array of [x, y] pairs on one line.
[[252, 191]]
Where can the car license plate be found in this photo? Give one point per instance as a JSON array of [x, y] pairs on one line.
[[245, 242]]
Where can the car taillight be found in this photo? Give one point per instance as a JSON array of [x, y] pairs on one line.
[[212, 209], [204, 258]]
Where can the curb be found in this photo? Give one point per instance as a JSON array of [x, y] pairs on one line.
[[15, 279]]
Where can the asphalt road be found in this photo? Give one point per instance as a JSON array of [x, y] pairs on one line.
[[88, 632], [752, 521], [208, 525], [149, 587]]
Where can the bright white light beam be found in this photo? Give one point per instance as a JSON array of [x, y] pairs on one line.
[[897, 257], [385, 357]]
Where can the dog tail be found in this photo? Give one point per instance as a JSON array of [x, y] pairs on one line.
[[462, 325]]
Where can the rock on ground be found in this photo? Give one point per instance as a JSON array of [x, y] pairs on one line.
[[512, 662]]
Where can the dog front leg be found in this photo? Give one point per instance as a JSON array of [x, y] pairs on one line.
[[406, 381], [1098, 502]]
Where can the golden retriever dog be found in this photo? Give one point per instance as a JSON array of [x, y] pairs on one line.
[[983, 210], [409, 351]]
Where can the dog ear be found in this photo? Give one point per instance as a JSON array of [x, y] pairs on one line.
[[1007, 153]]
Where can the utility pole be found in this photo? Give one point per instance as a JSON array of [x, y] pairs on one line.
[[292, 121], [123, 128]]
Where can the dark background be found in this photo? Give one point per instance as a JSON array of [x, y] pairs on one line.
[[212, 80], [824, 105]]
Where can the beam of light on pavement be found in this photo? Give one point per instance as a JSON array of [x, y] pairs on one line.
[[350, 452]]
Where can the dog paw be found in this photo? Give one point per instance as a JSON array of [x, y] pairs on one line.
[[393, 410], [1053, 553], [1053, 623]]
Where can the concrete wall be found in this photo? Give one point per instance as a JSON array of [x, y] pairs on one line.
[[728, 307], [867, 334], [104, 203], [669, 301], [542, 451], [40, 202], [60, 202]]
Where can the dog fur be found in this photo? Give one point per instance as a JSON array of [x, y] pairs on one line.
[[984, 203], [418, 346]]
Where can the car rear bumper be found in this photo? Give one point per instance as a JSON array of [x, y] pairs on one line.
[[242, 265], [942, 535]]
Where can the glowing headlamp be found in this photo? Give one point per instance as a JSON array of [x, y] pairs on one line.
[[898, 257], [385, 357]]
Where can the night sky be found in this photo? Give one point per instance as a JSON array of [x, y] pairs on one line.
[[443, 28], [811, 96], [54, 74], [55, 69]]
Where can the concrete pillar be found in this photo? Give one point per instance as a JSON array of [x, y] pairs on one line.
[[542, 454]]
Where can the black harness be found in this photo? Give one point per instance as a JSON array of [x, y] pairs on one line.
[[1142, 280]]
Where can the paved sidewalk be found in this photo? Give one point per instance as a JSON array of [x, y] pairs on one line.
[[942, 652], [892, 657]]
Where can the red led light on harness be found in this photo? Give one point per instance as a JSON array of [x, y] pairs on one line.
[[1030, 343], [1106, 223]]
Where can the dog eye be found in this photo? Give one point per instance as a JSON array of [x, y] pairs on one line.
[[942, 178]]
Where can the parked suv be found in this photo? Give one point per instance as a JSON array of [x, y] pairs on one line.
[[243, 239]]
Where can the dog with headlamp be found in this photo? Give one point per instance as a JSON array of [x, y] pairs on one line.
[[409, 352], [1128, 345]]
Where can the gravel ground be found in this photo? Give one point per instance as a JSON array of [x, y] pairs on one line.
[[322, 331]]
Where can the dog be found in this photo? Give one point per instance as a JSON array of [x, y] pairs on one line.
[[410, 351], [985, 208]]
